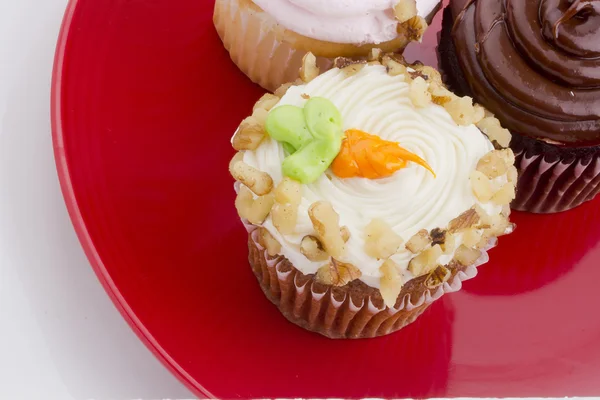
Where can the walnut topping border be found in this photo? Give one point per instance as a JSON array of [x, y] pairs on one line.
[[492, 182]]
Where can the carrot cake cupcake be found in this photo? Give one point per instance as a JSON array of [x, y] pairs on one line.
[[368, 192]]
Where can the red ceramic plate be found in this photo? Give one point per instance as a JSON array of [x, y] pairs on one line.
[[145, 100]]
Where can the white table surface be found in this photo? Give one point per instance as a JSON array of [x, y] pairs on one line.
[[60, 335]]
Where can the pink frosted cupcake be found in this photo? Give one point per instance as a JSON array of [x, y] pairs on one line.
[[267, 39]]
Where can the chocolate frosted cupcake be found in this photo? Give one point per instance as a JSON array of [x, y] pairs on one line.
[[368, 193], [535, 64], [267, 39]]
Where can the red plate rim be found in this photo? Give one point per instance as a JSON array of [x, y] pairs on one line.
[[64, 176]]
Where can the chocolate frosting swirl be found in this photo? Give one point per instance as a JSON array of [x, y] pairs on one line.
[[535, 64]]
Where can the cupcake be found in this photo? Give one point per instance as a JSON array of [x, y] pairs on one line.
[[535, 65], [267, 39], [368, 192]]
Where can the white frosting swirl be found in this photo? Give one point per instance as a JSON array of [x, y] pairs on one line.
[[341, 21], [409, 200]]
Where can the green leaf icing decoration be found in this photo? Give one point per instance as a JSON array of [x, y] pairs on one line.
[[287, 124], [312, 136]]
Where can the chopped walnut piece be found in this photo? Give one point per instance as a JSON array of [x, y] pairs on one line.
[[249, 135], [284, 217], [433, 253], [260, 114], [465, 220], [353, 69], [501, 136], [432, 75], [484, 219], [492, 128], [267, 241], [492, 164], [345, 232], [394, 67], [244, 201], [288, 195], [288, 191], [437, 277], [484, 241], [337, 273], [266, 102], [260, 209], [381, 241], [254, 210], [347, 272], [471, 238], [418, 265], [426, 261], [282, 90], [419, 242], [449, 244], [438, 236], [505, 195], [498, 225], [419, 93], [417, 74], [309, 69], [416, 65], [466, 256], [481, 186], [327, 275], [439, 94], [512, 174], [413, 29], [312, 249], [326, 223], [391, 283], [345, 62], [461, 110], [488, 123], [478, 113], [508, 156], [405, 10], [476, 238], [375, 55], [342, 62], [239, 156], [257, 181]]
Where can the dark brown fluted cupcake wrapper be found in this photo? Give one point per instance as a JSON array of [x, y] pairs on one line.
[[551, 178], [346, 312], [554, 179]]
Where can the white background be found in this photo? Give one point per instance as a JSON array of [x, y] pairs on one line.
[[60, 336]]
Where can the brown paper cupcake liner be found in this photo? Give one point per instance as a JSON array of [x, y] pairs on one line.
[[352, 311], [255, 48], [551, 178], [554, 179]]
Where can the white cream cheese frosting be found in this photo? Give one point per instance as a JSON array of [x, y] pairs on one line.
[[409, 200], [341, 21]]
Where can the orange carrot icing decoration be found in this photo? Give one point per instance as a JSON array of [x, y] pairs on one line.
[[369, 156]]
